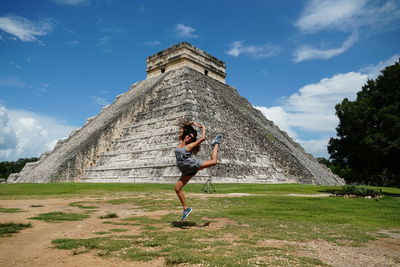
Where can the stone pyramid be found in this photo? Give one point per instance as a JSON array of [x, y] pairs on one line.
[[133, 139]]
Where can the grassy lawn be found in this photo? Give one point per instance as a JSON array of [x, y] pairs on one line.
[[222, 230], [24, 191]]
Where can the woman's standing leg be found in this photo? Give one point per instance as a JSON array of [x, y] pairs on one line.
[[178, 189]]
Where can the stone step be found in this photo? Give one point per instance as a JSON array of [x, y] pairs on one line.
[[138, 146], [160, 115], [116, 152], [165, 122], [145, 179], [131, 167], [171, 133]]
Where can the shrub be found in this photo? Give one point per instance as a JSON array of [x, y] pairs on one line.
[[361, 191]]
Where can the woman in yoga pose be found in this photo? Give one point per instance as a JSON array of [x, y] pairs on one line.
[[189, 166]]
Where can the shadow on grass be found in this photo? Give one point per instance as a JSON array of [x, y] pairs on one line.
[[391, 194], [188, 225]]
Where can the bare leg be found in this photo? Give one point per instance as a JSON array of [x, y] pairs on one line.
[[178, 189], [213, 160]]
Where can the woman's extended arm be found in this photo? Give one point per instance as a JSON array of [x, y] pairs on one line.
[[190, 146]]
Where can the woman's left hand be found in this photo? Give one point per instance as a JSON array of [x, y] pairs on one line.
[[197, 124]]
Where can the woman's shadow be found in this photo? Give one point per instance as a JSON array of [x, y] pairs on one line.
[[188, 224]]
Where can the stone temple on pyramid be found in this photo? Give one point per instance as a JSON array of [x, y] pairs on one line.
[[133, 139]]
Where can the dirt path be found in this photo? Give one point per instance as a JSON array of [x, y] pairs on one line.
[[32, 247]]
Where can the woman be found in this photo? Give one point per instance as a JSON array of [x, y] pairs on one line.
[[188, 165]]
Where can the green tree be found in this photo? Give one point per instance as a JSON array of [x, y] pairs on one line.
[[8, 167], [336, 167], [368, 134]]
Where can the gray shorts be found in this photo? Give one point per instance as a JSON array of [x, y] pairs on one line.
[[189, 167]]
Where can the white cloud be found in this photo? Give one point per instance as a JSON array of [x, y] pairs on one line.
[[185, 31], [72, 43], [26, 134], [30, 59], [111, 30], [316, 147], [330, 14], [280, 117], [72, 2], [103, 40], [373, 71], [311, 110], [8, 139], [99, 100], [24, 29], [357, 17], [347, 16], [70, 31], [306, 52], [259, 51], [154, 43], [13, 82]]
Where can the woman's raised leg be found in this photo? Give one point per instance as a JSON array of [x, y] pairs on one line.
[[213, 160]]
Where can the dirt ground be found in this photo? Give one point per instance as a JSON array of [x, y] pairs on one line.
[[32, 247]]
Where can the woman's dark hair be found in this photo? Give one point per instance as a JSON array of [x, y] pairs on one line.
[[187, 129]]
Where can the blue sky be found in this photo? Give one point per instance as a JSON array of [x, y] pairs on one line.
[[61, 61]]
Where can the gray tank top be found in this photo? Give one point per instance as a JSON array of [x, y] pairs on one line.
[[185, 162]]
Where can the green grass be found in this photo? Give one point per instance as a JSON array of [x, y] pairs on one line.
[[102, 233], [138, 254], [11, 210], [101, 243], [299, 218], [38, 191], [60, 216], [6, 229]]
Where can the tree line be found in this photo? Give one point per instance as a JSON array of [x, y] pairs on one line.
[[8, 167]]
